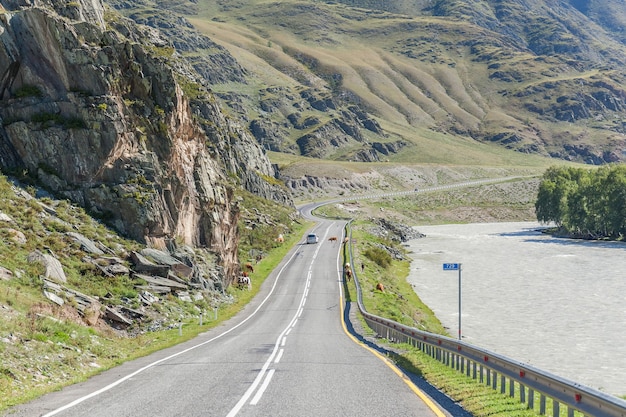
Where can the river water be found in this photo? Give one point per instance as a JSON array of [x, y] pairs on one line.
[[556, 304]]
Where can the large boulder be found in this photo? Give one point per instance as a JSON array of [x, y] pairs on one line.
[[53, 269]]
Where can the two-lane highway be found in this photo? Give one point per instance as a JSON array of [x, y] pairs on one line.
[[286, 354]]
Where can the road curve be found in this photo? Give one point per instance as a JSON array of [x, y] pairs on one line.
[[287, 353]]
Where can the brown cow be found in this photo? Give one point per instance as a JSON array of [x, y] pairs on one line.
[[380, 287], [348, 275], [347, 271], [332, 239], [248, 266]]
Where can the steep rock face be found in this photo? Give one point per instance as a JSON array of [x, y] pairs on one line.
[[103, 120]]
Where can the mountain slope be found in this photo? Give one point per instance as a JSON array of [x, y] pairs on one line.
[[328, 80]]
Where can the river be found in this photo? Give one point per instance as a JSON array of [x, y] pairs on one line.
[[556, 304]]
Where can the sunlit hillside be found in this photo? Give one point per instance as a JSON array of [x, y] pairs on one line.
[[436, 79]]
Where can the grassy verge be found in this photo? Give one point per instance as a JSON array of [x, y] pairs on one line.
[[264, 267], [398, 301], [475, 397]]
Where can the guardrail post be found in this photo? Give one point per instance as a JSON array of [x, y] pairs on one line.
[[489, 377], [555, 407], [531, 398], [511, 388], [480, 373], [502, 384], [494, 380], [542, 405], [570, 412], [522, 393]]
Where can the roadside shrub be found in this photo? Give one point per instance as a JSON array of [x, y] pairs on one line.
[[379, 256]]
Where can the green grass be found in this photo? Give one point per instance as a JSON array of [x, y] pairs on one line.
[[265, 266], [478, 399], [398, 301]]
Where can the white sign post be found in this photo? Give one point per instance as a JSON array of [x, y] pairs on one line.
[[456, 267]]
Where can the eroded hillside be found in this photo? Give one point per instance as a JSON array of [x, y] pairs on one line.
[[328, 80]]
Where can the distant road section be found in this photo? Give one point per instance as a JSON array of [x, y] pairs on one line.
[[311, 206]]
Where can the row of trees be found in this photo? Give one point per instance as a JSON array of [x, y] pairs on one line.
[[584, 202]]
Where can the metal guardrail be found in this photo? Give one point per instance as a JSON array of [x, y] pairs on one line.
[[497, 371]]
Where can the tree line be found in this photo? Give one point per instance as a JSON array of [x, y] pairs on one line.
[[589, 203]]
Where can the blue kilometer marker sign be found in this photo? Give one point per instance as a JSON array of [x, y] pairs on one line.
[[456, 267], [451, 267]]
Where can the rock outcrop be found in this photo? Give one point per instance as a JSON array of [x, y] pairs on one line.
[[105, 113]]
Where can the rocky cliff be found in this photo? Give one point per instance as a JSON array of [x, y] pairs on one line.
[[105, 113]]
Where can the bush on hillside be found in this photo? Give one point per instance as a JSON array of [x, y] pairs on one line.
[[378, 255]]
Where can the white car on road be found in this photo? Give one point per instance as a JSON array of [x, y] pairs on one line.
[[311, 238]]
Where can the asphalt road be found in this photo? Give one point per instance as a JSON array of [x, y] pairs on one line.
[[286, 354]]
